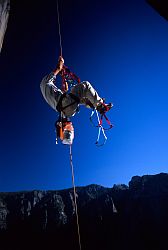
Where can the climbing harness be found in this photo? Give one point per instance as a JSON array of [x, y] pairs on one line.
[[59, 107], [68, 79], [62, 119]]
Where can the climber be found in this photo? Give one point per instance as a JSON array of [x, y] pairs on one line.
[[67, 103]]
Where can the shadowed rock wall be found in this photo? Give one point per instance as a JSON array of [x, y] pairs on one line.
[[122, 217]]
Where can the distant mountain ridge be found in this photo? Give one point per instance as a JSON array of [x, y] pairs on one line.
[[121, 217]]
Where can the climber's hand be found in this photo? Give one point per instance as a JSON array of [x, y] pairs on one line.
[[60, 63]]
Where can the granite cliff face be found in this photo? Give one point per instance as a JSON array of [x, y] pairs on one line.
[[4, 15], [122, 217]]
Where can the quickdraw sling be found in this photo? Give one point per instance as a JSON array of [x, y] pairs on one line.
[[100, 124]]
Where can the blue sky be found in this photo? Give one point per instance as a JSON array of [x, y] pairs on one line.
[[121, 47]]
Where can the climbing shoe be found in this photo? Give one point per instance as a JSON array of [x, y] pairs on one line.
[[102, 107]]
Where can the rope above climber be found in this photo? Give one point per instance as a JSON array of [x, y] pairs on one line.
[[67, 102]]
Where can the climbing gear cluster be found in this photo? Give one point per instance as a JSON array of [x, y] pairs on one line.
[[102, 109], [69, 79]]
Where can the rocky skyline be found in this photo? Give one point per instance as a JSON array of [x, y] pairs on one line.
[[122, 216]]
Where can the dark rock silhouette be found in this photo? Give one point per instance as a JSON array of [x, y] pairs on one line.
[[160, 6], [4, 15], [122, 217]]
